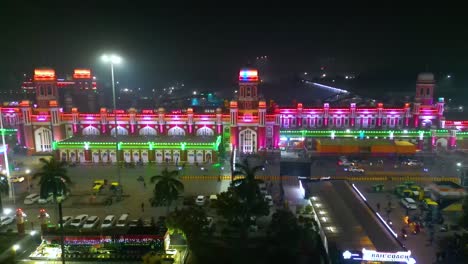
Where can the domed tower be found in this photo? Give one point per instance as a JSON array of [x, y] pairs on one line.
[[425, 89], [248, 83]]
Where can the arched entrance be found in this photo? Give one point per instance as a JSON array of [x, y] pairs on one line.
[[43, 139], [441, 143], [248, 141]]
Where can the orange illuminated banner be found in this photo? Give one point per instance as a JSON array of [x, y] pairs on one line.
[[82, 74], [44, 75]]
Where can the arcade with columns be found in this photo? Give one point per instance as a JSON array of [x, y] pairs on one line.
[[248, 126]]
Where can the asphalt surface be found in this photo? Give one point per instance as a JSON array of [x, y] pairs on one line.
[[356, 225]]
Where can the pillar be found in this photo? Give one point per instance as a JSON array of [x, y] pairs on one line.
[[190, 120], [161, 122], [261, 133], [219, 121], [299, 115], [276, 128], [28, 135], [352, 118], [416, 115], [452, 139], [433, 139], [103, 112], [132, 120], [379, 114], [233, 121], [326, 107]]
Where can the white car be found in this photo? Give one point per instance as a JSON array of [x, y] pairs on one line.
[[6, 220], [355, 169], [109, 221], [200, 200], [122, 222], [269, 200], [79, 220], [32, 198], [66, 220], [409, 203], [91, 222], [134, 222], [414, 163]]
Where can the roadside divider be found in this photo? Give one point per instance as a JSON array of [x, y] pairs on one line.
[[396, 178]]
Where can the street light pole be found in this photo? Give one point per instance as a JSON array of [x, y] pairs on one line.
[[5, 156], [115, 122], [113, 59]]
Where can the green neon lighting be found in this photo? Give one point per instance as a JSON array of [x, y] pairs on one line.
[[151, 145], [54, 145], [217, 143], [183, 145], [119, 146]]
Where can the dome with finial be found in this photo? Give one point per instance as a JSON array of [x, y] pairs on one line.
[[426, 77]]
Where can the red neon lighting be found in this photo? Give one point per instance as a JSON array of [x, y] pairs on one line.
[[82, 74], [44, 75], [248, 75]]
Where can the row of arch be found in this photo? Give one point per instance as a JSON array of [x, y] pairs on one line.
[[148, 131]]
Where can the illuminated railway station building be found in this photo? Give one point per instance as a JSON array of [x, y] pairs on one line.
[[248, 125]]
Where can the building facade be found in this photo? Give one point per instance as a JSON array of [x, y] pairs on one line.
[[248, 125]]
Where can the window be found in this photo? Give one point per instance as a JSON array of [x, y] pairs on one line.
[[346, 121], [205, 131], [176, 131], [373, 122], [421, 91], [269, 131], [427, 91], [90, 130], [49, 90], [248, 91], [121, 131], [148, 131]]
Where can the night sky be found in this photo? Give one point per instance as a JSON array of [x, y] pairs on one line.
[[205, 47]]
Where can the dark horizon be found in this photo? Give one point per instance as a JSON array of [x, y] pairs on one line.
[[206, 47]]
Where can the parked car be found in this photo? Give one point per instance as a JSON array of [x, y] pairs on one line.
[[79, 220], [414, 163], [122, 222], [32, 198], [263, 188], [213, 197], [6, 220], [135, 222], [108, 221], [269, 200], [409, 203], [91, 222], [48, 199], [200, 200], [66, 220], [17, 178]]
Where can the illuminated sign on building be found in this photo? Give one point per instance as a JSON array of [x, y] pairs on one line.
[[44, 75], [372, 255], [82, 74], [249, 75]]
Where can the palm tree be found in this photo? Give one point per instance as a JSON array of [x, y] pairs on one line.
[[248, 186], [167, 188], [3, 189], [54, 179]]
